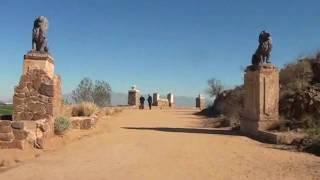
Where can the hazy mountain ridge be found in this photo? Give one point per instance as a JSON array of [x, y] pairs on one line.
[[122, 99]]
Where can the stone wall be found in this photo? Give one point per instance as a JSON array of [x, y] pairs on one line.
[[37, 96], [84, 122], [19, 134], [261, 102]]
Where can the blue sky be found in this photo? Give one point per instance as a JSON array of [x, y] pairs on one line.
[[159, 45]]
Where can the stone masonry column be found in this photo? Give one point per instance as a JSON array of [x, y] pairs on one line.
[[170, 97], [156, 97], [261, 106], [133, 96], [200, 102], [38, 94]]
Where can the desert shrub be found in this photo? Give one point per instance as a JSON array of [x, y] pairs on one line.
[[61, 124], [67, 110], [98, 92], [295, 77], [84, 109], [110, 111], [299, 94]]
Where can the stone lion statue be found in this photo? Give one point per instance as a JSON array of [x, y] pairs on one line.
[[39, 34], [262, 54]]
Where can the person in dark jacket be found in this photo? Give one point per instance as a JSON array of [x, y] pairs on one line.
[[150, 101], [142, 99]]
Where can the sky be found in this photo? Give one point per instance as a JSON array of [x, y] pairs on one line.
[[159, 45]]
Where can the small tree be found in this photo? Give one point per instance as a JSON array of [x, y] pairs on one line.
[[98, 92], [102, 93], [215, 87], [84, 91]]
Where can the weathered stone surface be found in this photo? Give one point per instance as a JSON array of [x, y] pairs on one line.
[[5, 129], [17, 125], [261, 101], [83, 122], [38, 63], [6, 136], [86, 124], [46, 89], [42, 96], [5, 123], [27, 116], [18, 101], [20, 134], [39, 143]]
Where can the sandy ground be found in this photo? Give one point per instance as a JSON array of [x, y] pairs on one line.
[[164, 144]]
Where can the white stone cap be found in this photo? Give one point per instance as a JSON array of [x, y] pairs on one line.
[[201, 96], [134, 89]]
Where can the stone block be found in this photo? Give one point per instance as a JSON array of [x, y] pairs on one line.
[[85, 123], [5, 129], [5, 123], [75, 123], [46, 89], [44, 63], [18, 101], [20, 134], [6, 136], [17, 124]]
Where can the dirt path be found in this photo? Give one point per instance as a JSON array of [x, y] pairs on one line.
[[165, 145]]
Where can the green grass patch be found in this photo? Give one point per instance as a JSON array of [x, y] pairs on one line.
[[6, 109]]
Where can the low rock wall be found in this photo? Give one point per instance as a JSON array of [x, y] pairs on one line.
[[19, 134]]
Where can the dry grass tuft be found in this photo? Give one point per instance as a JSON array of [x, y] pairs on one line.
[[84, 109]]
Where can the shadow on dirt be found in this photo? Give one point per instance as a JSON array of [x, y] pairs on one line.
[[189, 130]]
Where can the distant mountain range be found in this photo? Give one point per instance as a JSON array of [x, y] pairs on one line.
[[122, 99]]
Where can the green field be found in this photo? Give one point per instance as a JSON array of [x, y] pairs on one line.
[[6, 109]]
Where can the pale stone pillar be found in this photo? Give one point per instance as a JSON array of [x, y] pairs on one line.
[[133, 96], [200, 102], [170, 97], [38, 95], [156, 97], [261, 103]]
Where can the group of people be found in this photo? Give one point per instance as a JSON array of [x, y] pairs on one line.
[[142, 100]]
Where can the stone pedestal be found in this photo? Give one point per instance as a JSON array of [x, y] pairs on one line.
[[200, 102], [38, 95], [261, 106], [133, 97], [36, 60]]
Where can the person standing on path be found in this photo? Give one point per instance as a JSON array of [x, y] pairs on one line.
[[150, 101], [142, 99]]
